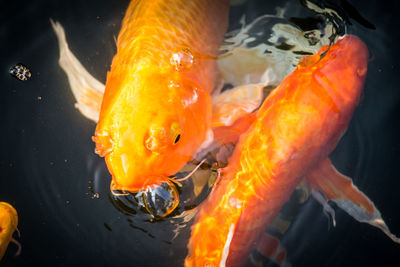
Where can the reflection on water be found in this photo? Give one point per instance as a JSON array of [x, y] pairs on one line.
[[21, 72], [61, 189]]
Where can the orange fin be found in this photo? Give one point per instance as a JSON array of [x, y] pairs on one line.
[[87, 90], [224, 135], [231, 134], [341, 190], [232, 104]]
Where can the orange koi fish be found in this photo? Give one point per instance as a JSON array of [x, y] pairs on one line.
[[297, 127], [8, 224], [156, 109]]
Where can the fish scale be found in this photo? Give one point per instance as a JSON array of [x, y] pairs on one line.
[[167, 25]]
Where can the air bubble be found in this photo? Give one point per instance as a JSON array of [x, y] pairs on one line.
[[182, 59], [161, 200]]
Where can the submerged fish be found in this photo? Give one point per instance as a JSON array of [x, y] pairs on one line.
[[156, 108], [296, 128], [8, 224]]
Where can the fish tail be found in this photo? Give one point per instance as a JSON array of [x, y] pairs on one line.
[[341, 190]]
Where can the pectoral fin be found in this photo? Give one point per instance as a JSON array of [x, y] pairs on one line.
[[231, 134], [341, 190], [232, 104], [87, 90], [232, 115]]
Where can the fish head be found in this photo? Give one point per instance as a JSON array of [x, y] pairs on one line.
[[348, 59], [151, 129]]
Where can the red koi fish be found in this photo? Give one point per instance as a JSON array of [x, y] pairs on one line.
[[294, 131]]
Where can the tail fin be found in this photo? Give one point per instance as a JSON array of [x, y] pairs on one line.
[[341, 190]]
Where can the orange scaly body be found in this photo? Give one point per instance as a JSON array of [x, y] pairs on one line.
[[156, 109], [297, 126], [8, 224]]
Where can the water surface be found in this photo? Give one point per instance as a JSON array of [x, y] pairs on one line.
[[50, 174]]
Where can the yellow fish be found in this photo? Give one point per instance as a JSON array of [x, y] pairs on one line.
[[8, 224]]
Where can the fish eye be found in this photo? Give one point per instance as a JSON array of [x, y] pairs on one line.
[[175, 132], [177, 138]]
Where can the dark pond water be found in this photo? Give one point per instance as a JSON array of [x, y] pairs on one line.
[[49, 173]]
